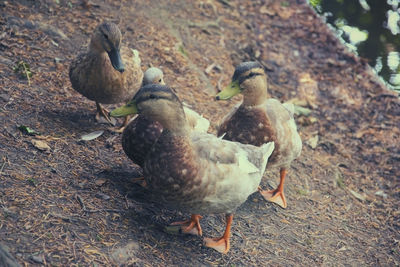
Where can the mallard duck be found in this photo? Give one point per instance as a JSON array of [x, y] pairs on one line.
[[141, 133], [193, 171], [106, 73], [260, 119]]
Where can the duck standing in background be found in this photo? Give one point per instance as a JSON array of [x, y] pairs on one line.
[[107, 72], [260, 119]]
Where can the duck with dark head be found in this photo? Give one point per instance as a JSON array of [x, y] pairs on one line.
[[260, 119], [193, 171]]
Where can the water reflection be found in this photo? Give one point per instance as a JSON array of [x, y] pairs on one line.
[[371, 28], [393, 20]]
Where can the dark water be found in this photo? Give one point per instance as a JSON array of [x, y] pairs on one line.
[[371, 28]]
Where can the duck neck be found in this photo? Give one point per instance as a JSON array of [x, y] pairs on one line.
[[174, 120], [177, 127], [255, 93]]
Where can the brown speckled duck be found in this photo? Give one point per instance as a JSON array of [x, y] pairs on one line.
[[141, 133], [106, 73], [193, 171], [260, 119]]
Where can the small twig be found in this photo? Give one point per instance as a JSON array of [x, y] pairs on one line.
[[126, 201], [384, 95], [225, 2], [64, 218], [79, 198], [106, 210], [26, 73], [73, 249], [219, 87], [2, 166]]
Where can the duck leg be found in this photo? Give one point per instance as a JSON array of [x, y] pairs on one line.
[[191, 226], [276, 196], [141, 181], [102, 115], [122, 128], [221, 244]]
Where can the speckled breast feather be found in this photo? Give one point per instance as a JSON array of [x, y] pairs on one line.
[[138, 138], [171, 172], [250, 126]]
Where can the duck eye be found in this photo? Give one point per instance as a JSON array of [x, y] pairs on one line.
[[252, 74], [152, 96], [159, 80]]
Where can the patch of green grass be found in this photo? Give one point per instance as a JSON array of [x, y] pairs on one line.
[[99, 238], [32, 181], [27, 130], [22, 69], [315, 3], [340, 181], [302, 192], [285, 4], [182, 50]]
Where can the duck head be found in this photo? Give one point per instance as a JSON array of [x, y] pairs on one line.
[[248, 79], [153, 75], [107, 38], [157, 103]]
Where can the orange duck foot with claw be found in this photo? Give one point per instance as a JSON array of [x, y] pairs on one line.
[[276, 196], [102, 115], [221, 244], [191, 226]]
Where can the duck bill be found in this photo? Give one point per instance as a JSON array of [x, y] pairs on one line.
[[116, 60], [129, 109], [230, 91]]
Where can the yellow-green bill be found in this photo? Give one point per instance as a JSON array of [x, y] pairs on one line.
[[230, 91], [129, 109]]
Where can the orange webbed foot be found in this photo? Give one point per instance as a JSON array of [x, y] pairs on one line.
[[191, 226], [222, 244], [276, 196]]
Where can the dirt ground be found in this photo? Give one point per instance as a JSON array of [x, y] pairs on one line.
[[76, 202]]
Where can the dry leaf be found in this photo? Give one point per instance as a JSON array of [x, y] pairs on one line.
[[285, 221], [100, 181], [41, 145], [313, 119], [267, 10], [122, 255], [92, 135], [91, 251], [308, 89], [282, 10], [362, 132], [313, 141], [301, 111], [381, 193], [357, 195], [298, 102]]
